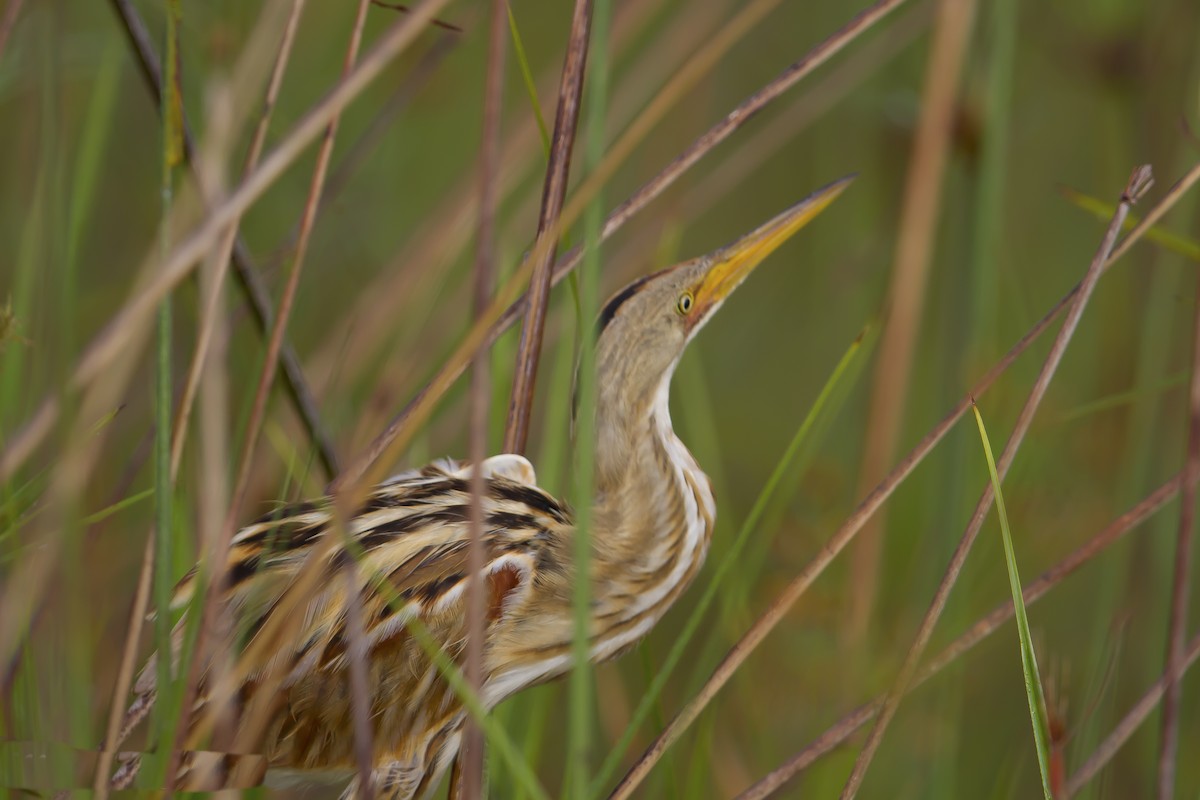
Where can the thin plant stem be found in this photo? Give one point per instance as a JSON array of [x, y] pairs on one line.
[[554, 192], [580, 688], [164, 523], [1181, 582], [527, 77], [471, 759]]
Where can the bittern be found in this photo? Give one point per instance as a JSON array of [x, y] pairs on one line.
[[653, 516]]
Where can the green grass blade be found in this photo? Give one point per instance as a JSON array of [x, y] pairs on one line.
[[1126, 398], [1033, 681], [120, 505], [164, 529], [580, 694], [728, 560], [1172, 242], [527, 78]]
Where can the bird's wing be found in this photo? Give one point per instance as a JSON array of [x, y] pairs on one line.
[[410, 539]]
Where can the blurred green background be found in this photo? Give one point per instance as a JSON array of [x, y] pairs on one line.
[[1084, 91]]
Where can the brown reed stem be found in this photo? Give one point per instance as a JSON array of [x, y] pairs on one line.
[[554, 192]]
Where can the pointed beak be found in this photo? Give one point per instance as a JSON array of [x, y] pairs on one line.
[[730, 265]]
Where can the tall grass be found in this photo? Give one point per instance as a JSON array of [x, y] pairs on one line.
[[1070, 96]]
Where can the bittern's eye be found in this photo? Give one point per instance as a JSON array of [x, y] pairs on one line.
[[684, 304]]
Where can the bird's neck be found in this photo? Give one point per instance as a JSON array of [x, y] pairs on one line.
[[653, 513], [652, 519]]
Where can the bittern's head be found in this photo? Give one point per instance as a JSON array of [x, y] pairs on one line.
[[645, 326]]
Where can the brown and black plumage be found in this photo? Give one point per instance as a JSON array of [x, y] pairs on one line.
[[653, 516]]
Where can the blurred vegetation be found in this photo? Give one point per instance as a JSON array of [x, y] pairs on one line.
[[1075, 94]]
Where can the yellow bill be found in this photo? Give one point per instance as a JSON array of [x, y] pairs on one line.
[[732, 264]]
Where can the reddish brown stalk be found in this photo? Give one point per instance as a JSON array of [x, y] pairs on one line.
[[471, 761], [919, 216], [869, 506], [248, 275], [1130, 723], [1181, 584], [844, 728], [554, 192], [1139, 182], [217, 552]]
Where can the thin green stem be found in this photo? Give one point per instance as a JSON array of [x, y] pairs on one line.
[[163, 512], [527, 79], [580, 690]]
